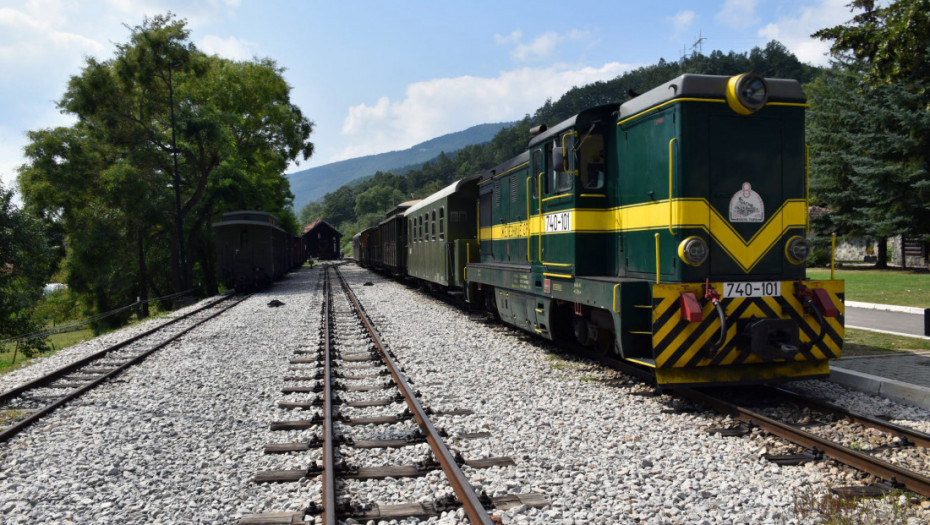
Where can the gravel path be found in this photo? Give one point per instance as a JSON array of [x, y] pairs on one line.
[[177, 439], [580, 435]]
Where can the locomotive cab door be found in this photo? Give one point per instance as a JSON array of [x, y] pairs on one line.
[[556, 247]]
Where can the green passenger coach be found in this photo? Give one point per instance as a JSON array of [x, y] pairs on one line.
[[442, 235]]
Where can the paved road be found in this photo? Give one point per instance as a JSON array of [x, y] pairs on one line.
[[900, 322]]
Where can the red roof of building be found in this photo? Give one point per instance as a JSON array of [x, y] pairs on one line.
[[318, 224]]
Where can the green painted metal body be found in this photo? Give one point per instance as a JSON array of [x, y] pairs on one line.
[[580, 238], [439, 230]]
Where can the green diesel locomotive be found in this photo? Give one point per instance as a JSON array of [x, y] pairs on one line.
[[669, 231]]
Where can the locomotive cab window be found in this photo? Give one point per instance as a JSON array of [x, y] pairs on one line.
[[592, 162], [560, 178]]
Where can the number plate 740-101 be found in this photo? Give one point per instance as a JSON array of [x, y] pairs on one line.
[[752, 289]]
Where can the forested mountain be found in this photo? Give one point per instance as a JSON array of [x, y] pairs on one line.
[[312, 184], [355, 207]]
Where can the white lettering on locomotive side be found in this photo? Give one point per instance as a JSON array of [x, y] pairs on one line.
[[559, 222]]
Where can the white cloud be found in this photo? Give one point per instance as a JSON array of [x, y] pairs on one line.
[[682, 21], [541, 47], [538, 49], [436, 107], [794, 30], [11, 151], [512, 38], [30, 41], [738, 13], [232, 48]]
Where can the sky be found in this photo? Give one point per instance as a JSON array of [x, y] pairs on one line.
[[378, 76]]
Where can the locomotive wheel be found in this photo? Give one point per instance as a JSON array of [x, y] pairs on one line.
[[582, 330]]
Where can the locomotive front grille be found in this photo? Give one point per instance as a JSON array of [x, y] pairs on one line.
[[759, 330]]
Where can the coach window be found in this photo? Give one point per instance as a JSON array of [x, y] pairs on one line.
[[442, 232], [433, 225]]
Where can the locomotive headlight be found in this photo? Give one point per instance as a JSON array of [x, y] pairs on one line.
[[693, 251], [798, 249], [747, 93]]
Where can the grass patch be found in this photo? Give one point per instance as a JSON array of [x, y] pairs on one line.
[[830, 509], [900, 287], [57, 341]]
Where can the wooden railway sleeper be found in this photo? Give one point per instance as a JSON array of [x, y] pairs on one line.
[[786, 460], [902, 443], [869, 491], [739, 430]]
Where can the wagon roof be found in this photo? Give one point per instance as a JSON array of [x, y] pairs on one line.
[[441, 194]]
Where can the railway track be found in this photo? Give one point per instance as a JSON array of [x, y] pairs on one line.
[[330, 375], [803, 431], [23, 405]]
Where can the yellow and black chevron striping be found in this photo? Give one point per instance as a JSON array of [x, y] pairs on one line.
[[679, 343]]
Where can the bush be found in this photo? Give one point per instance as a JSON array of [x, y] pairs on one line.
[[819, 258]]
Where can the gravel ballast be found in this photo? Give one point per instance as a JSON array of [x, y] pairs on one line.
[[178, 438]]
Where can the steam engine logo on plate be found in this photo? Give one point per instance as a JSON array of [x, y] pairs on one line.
[[746, 206]]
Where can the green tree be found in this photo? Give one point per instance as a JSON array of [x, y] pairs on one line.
[[892, 41], [377, 200], [25, 266], [311, 212], [890, 159], [109, 178]]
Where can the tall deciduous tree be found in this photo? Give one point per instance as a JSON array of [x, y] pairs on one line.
[[25, 266], [110, 178]]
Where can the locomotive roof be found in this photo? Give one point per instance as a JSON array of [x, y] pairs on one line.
[[501, 169], [707, 86], [581, 120], [441, 194]]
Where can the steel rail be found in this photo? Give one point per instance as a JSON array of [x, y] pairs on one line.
[[84, 361], [329, 462], [463, 490], [916, 437], [877, 467], [19, 426]]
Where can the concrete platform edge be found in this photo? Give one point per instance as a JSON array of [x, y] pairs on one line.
[[886, 307], [882, 386]]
